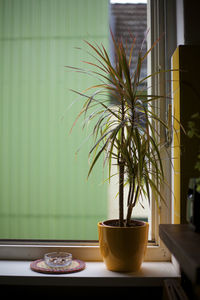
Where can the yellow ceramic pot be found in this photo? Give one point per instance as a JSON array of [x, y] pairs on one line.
[[123, 248]]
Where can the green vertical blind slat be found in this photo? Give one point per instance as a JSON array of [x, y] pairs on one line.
[[43, 188]]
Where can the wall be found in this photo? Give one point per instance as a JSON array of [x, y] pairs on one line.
[[129, 21], [191, 22]]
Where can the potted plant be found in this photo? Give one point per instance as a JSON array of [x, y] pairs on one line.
[[124, 133]]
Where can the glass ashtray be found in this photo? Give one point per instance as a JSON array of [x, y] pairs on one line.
[[58, 259]]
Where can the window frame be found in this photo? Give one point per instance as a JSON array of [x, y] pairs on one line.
[[89, 250]]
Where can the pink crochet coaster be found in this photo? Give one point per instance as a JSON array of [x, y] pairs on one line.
[[40, 266]]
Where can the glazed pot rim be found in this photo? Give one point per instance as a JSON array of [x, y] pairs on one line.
[[140, 224]]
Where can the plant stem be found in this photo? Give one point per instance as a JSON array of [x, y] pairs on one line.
[[121, 172], [130, 208], [129, 213], [132, 184], [121, 194]]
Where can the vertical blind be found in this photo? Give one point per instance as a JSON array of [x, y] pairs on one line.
[[43, 188]]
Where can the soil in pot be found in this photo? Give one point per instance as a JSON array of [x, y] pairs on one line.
[[115, 223]]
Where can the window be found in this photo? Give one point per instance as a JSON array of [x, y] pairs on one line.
[[126, 18], [44, 45], [42, 181]]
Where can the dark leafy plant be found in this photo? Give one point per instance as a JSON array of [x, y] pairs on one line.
[[124, 129], [194, 132]]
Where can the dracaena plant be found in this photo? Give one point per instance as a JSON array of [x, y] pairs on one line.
[[123, 129]]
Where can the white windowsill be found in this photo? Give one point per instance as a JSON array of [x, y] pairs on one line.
[[95, 274]]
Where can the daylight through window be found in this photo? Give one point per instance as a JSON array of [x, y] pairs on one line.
[[44, 192]]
